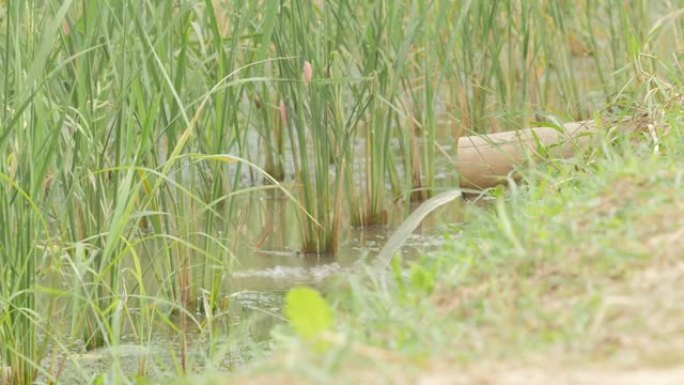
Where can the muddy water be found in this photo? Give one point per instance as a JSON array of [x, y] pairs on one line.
[[266, 264], [269, 260], [263, 274]]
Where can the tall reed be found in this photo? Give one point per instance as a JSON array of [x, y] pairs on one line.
[[303, 95], [28, 146]]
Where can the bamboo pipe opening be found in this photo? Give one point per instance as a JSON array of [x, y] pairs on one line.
[[485, 160]]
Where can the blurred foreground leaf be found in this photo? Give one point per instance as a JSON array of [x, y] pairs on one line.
[[307, 312]]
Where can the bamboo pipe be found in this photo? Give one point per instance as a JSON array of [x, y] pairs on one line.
[[485, 160]]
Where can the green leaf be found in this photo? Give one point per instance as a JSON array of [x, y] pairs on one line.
[[307, 312]]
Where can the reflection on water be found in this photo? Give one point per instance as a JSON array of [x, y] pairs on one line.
[[268, 259]]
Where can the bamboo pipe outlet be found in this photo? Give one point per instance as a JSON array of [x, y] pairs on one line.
[[486, 160]]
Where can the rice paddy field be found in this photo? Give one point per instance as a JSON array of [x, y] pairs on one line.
[[197, 192]]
